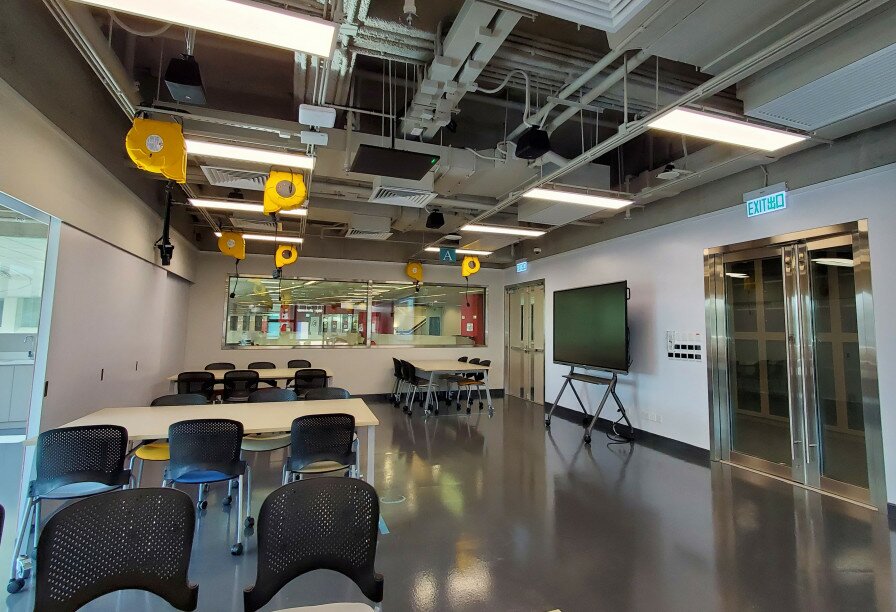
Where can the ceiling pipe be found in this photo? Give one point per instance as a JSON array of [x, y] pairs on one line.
[[784, 46], [592, 72]]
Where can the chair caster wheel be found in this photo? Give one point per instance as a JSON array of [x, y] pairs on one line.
[[481, 405], [15, 585], [202, 505], [227, 500], [547, 423], [469, 410], [436, 412], [587, 439], [585, 421], [236, 550], [249, 522]]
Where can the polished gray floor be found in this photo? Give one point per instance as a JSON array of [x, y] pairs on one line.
[[497, 514]]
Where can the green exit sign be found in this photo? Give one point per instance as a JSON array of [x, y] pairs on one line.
[[766, 200]]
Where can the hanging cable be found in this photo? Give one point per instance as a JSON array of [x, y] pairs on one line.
[[504, 84], [128, 28]]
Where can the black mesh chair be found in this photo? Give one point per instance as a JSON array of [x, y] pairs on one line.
[[327, 393], [321, 444], [264, 365], [220, 365], [450, 379], [311, 378], [273, 395], [196, 382], [239, 385], [134, 539], [158, 450], [476, 381], [325, 523], [205, 451], [399, 381], [297, 363], [415, 384], [71, 462]]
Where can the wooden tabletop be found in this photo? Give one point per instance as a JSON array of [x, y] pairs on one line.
[[273, 374], [152, 422], [446, 365]]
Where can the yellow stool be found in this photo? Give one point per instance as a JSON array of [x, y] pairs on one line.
[[154, 451]]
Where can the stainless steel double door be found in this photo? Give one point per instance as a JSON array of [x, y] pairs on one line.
[[792, 362], [524, 333]]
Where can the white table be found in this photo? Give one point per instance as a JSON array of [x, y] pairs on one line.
[[152, 422], [436, 367]]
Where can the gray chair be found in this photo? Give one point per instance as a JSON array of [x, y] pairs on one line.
[[327, 393], [220, 365]]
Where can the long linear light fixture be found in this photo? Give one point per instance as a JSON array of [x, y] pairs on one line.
[[243, 19], [267, 157], [269, 238], [722, 129], [460, 251], [502, 229], [574, 197], [241, 206]]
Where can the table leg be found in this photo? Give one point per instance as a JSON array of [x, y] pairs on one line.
[[371, 443], [432, 376], [488, 394]]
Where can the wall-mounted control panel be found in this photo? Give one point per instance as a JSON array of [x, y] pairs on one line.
[[686, 346]]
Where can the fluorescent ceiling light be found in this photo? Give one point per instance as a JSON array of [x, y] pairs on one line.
[[269, 238], [268, 157], [574, 197], [840, 262], [243, 206], [242, 19], [497, 229], [722, 129], [460, 251]]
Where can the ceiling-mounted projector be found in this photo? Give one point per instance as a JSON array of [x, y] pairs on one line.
[[533, 143], [184, 81]]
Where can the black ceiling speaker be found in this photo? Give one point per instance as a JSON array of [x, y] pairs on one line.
[[435, 220], [533, 143], [184, 81]]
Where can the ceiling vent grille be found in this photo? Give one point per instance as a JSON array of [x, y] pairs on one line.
[[369, 227], [607, 15], [362, 234], [853, 89], [401, 196], [234, 178], [253, 226]]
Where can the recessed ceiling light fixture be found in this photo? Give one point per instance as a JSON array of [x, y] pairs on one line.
[[501, 229], [460, 251], [269, 238], [243, 19], [574, 197], [241, 206], [722, 129], [268, 157]]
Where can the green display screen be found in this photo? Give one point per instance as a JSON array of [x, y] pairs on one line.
[[591, 327]]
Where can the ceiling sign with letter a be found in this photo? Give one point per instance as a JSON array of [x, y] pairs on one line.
[[448, 254]]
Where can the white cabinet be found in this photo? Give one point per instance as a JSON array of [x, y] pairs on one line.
[[15, 392]]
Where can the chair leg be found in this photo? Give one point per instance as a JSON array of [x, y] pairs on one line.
[[202, 504], [283, 475], [237, 549], [36, 527], [21, 564], [250, 521], [139, 475]]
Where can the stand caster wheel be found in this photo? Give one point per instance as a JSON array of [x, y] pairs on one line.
[[249, 522], [236, 550], [15, 585], [202, 505], [587, 439], [227, 500]]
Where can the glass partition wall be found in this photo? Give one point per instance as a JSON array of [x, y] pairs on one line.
[[303, 312]]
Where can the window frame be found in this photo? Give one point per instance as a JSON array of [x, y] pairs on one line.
[[368, 319]]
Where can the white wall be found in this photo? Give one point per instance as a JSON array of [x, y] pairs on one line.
[[360, 370], [41, 166], [664, 269], [114, 312]]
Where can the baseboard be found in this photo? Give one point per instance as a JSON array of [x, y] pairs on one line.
[[675, 448]]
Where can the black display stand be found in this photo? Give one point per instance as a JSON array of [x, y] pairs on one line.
[[590, 421]]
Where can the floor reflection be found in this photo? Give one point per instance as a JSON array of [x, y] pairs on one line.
[[498, 514]]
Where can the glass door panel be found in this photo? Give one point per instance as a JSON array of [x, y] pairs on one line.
[[838, 377], [757, 359], [516, 341]]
